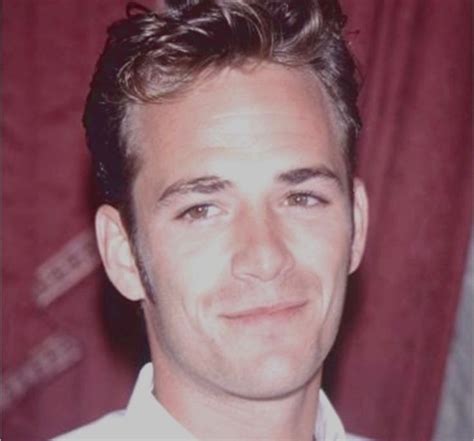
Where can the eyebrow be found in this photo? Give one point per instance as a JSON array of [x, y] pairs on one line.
[[214, 184], [300, 175], [203, 185]]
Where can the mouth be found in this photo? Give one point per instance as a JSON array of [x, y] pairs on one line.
[[276, 312]]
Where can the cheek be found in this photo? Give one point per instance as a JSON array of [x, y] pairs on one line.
[[190, 267], [323, 248], [325, 242]]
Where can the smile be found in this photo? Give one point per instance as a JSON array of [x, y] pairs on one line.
[[277, 312]]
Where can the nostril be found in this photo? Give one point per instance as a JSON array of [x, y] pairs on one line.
[[263, 261]]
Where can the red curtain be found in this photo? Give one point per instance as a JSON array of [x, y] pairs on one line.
[[416, 157], [70, 347]]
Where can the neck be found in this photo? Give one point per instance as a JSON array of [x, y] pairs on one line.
[[208, 415]]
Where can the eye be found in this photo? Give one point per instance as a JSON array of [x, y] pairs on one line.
[[304, 199], [199, 212]]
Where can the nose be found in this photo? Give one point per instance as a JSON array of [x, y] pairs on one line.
[[261, 253]]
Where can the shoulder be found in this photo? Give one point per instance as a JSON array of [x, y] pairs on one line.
[[109, 426]]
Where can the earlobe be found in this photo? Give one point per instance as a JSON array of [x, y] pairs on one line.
[[116, 253], [361, 218]]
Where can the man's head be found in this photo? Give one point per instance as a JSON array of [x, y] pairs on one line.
[[152, 57], [245, 222]]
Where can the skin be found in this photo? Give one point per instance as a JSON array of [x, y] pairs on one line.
[[246, 266]]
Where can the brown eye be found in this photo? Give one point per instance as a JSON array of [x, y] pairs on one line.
[[198, 212], [302, 200]]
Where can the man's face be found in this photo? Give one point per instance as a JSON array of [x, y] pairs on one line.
[[244, 230]]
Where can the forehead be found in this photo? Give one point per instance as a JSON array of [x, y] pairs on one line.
[[264, 113]]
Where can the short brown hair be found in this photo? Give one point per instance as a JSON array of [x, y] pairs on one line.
[[152, 55]]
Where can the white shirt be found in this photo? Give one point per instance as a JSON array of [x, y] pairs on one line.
[[146, 418]]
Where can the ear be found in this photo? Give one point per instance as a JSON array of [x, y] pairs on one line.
[[360, 215], [116, 253]]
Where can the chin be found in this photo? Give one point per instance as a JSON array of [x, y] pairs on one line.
[[274, 378]]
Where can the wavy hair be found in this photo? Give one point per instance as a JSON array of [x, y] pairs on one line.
[[152, 55]]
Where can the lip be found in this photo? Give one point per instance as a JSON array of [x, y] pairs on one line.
[[277, 310]]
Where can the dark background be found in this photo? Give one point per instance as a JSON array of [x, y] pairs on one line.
[[71, 348]]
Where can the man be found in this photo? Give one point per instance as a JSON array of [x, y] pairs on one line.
[[222, 133]]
